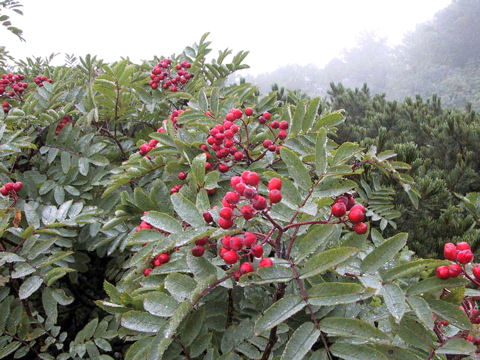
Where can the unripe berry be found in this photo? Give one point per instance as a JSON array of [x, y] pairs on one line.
[[236, 243], [147, 271], [267, 115], [198, 251], [252, 179], [450, 251], [202, 242], [283, 125], [476, 271], [265, 262], [356, 216], [230, 257], [442, 272], [259, 202], [339, 209], [463, 246], [249, 111], [464, 256], [454, 270], [257, 251], [247, 212], [282, 134], [207, 217], [226, 213], [275, 184], [249, 239], [275, 196], [246, 268], [182, 175], [225, 223], [360, 228]]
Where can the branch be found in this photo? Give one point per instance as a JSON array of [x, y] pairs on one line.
[[211, 287]]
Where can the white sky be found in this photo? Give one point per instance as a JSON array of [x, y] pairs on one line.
[[276, 32]]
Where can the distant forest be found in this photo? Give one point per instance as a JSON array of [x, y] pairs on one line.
[[441, 57]]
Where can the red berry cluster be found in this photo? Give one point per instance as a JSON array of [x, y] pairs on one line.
[[282, 132], [157, 261], [461, 254], [66, 119], [163, 75], [175, 189], [6, 107], [39, 80], [147, 147], [199, 248], [356, 212], [222, 141], [11, 189], [14, 81]]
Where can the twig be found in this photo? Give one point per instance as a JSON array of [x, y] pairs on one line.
[[210, 288]]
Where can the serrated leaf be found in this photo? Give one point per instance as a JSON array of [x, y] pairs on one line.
[[422, 310], [163, 222], [321, 152], [334, 293], [434, 283], [187, 210], [326, 260], [65, 160], [298, 172], [141, 321], [298, 116], [300, 342], [394, 300], [279, 312], [198, 169], [411, 268], [356, 352], [339, 326], [384, 253], [160, 304], [180, 286], [451, 313], [83, 166], [457, 346]]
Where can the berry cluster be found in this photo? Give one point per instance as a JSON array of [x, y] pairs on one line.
[[14, 81], [147, 147], [199, 248], [39, 80], [6, 107], [157, 261], [66, 119], [461, 254], [282, 132], [356, 212], [163, 75], [11, 189]]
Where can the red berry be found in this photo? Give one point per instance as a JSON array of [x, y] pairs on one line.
[[226, 213], [17, 186], [246, 268], [152, 143], [145, 225], [259, 202], [208, 166], [3, 191], [247, 212], [454, 270], [237, 113], [442, 272], [238, 156], [275, 124], [225, 223], [282, 134], [257, 251], [275, 196], [236, 243], [157, 263], [356, 207], [230, 257], [476, 271], [232, 197], [267, 115], [450, 251], [249, 111], [182, 175], [249, 239], [267, 143], [201, 242], [223, 251], [339, 209], [163, 257], [249, 192], [275, 184], [252, 179], [356, 216], [211, 191], [207, 217], [464, 256], [360, 228], [240, 188], [234, 181], [230, 117], [147, 271], [262, 120], [198, 251], [265, 262], [463, 246], [223, 168], [283, 125]]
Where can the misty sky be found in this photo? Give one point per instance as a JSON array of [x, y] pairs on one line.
[[275, 32]]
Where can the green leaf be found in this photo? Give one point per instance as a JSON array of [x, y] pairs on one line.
[[49, 304], [65, 161], [32, 216], [83, 165], [334, 293], [187, 210], [267, 275], [321, 152], [279, 312], [311, 114], [384, 253], [193, 326], [300, 342], [457, 346], [160, 304], [339, 326], [141, 321], [9, 348], [331, 119], [413, 333], [49, 214], [8, 257], [422, 310], [198, 169], [29, 286], [180, 286], [394, 300], [433, 284], [298, 172], [163, 222], [326, 260], [297, 121], [318, 235], [412, 268], [356, 352], [345, 152], [451, 313]]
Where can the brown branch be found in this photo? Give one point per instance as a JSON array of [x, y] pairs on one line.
[[211, 287], [230, 309], [272, 338]]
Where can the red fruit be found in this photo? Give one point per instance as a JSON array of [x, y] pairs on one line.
[[267, 115], [275, 184], [222, 252], [157, 263], [356, 216], [232, 197], [145, 225], [208, 166], [163, 257], [360, 228], [249, 239], [225, 223], [230, 257], [283, 125], [252, 179], [147, 271], [257, 251], [207, 217], [275, 196], [152, 143], [282, 134], [249, 192], [463, 246], [476, 271], [238, 156], [246, 268], [267, 143], [249, 111], [9, 186], [240, 188], [464, 256], [357, 207], [182, 175], [262, 119], [226, 213], [198, 251], [450, 251], [454, 270], [234, 181], [442, 272], [351, 203], [223, 168], [211, 191], [237, 113], [201, 242], [247, 212], [259, 202], [339, 209], [275, 124], [265, 262], [3, 191], [230, 117], [236, 243]]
